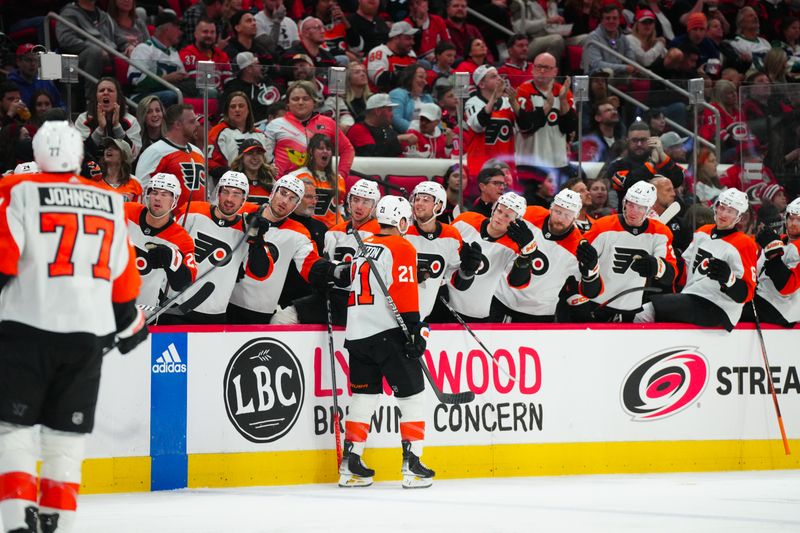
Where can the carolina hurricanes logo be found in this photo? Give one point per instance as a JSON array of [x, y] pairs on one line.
[[623, 257], [268, 95], [664, 383], [701, 260], [435, 263], [218, 252]]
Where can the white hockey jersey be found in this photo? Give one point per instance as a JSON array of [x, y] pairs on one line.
[[439, 251], [735, 248], [497, 254], [381, 59], [341, 246], [65, 245], [617, 245], [551, 264], [786, 300], [286, 242]]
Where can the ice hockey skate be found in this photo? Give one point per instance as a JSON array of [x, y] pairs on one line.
[[415, 474], [353, 472]]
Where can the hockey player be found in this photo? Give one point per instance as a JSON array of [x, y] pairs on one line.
[[561, 253], [255, 297], [69, 284], [218, 230], [720, 272], [633, 249], [502, 237], [164, 251], [340, 247], [777, 298], [378, 348], [440, 254]]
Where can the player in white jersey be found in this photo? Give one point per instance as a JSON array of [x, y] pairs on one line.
[[633, 250], [777, 298], [720, 272], [69, 285], [378, 348], [217, 230], [502, 239], [440, 254], [340, 247], [255, 297], [560, 254], [164, 251]]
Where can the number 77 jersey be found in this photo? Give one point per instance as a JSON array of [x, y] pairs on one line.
[[65, 244], [368, 312]]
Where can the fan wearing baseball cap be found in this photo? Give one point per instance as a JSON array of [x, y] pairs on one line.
[[643, 41], [386, 60], [433, 141], [26, 77], [374, 135]]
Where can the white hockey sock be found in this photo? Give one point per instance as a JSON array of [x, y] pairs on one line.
[[285, 315], [62, 455], [647, 314], [412, 425], [356, 426], [17, 476]]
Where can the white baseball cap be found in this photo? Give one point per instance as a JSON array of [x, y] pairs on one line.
[[402, 28], [379, 100], [245, 59], [430, 111], [481, 73]]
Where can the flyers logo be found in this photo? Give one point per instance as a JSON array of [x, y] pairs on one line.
[[701, 260], [142, 262], [540, 264], [344, 254], [324, 201], [218, 252], [194, 175], [498, 131], [623, 257], [432, 263]]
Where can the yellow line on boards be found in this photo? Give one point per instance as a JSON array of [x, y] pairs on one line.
[[116, 474]]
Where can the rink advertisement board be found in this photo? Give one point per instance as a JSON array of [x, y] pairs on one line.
[[253, 406]]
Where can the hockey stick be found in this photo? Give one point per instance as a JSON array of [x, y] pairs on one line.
[[620, 294], [186, 307], [769, 380], [336, 431], [443, 397], [669, 213], [469, 330]]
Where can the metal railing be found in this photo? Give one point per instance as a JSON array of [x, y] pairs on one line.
[[110, 49], [493, 23], [652, 75]]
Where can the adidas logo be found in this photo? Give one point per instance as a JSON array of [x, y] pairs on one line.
[[169, 362]]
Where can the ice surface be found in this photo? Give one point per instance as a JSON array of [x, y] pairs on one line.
[[683, 503]]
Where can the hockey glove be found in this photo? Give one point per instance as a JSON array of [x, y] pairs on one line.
[[424, 272], [587, 259], [471, 256], [647, 266], [415, 347], [521, 234], [163, 256], [257, 226], [134, 334], [720, 271], [770, 242], [321, 274]]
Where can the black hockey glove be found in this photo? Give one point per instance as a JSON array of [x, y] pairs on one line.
[[521, 234], [321, 273], [415, 347], [424, 272], [646, 266], [256, 225], [587, 259], [471, 256], [770, 242], [163, 256], [135, 333], [720, 271]]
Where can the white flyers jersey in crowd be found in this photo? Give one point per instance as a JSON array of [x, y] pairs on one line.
[[786, 300], [286, 241], [439, 252], [381, 59], [341, 246], [185, 162], [65, 245], [497, 254], [368, 312], [551, 264], [224, 142], [154, 280], [617, 244], [215, 242], [546, 145], [735, 248]]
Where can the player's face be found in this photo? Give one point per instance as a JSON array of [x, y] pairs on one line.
[[560, 219], [634, 213], [423, 206], [501, 217], [283, 202], [361, 208], [230, 200], [159, 202], [725, 217], [793, 226]]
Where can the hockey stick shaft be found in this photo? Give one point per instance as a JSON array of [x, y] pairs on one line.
[[669, 213], [443, 397], [474, 336], [336, 429], [769, 381], [620, 294]]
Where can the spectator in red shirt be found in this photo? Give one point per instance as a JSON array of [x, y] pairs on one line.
[[374, 136], [433, 29], [460, 31], [477, 55], [516, 69], [205, 49], [432, 141]]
